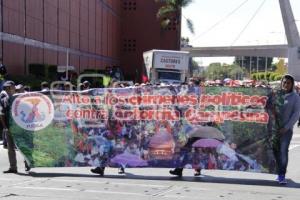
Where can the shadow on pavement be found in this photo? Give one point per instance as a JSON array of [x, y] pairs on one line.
[[202, 178]]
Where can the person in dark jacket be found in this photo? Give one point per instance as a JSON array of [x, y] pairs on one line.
[[9, 89]]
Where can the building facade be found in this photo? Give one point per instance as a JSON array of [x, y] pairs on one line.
[[254, 64], [86, 34], [141, 31]]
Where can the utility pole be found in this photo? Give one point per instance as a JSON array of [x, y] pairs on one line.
[[250, 66], [266, 67], [67, 67], [257, 63], [242, 61]]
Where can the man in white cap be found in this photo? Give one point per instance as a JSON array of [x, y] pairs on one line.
[[86, 85], [20, 88]]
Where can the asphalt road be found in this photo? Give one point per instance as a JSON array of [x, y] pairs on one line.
[[148, 183]]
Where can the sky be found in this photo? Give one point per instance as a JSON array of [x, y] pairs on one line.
[[235, 23]]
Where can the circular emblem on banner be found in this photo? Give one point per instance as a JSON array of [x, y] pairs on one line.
[[32, 111]]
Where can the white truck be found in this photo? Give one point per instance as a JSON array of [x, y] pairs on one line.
[[167, 66]]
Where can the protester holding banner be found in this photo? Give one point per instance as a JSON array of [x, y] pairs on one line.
[[289, 114], [155, 126], [44, 86], [178, 170], [8, 91], [113, 127]]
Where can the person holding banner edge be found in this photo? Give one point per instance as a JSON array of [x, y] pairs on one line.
[[9, 89], [112, 123], [289, 114]]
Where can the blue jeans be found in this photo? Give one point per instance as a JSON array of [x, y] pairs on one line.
[[282, 154]]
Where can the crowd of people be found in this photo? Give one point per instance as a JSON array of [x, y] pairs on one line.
[[290, 114]]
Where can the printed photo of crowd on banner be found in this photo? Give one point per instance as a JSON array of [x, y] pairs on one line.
[[227, 128]]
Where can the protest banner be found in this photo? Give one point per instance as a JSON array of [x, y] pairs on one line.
[[226, 128]]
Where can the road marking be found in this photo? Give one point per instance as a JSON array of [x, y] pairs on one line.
[[293, 146], [111, 183], [127, 184], [25, 182], [180, 197], [97, 182], [296, 135], [79, 190], [169, 189], [92, 191], [5, 179]]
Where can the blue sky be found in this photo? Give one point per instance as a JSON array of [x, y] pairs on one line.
[[265, 28]]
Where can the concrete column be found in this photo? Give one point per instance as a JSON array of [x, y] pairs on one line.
[[294, 62], [293, 39]]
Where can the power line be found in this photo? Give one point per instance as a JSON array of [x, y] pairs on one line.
[[221, 20], [253, 16]]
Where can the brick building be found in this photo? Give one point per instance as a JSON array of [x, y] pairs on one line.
[[96, 33]]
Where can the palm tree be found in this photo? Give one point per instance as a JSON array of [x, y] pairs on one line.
[[172, 9]]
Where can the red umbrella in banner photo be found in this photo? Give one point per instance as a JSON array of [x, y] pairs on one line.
[[205, 143]]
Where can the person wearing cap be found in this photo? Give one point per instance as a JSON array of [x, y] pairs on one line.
[[26, 88], [9, 90], [20, 88], [80, 87], [44, 86], [86, 85], [68, 86]]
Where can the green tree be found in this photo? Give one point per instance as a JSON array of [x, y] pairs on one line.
[[173, 9], [235, 72], [220, 71], [280, 67], [194, 67]]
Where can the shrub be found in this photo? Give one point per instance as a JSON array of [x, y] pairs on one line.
[[278, 77]]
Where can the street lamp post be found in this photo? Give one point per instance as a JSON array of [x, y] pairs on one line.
[[257, 63], [250, 66], [242, 61], [266, 67]]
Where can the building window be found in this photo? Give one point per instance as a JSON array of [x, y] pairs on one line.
[[129, 5], [129, 45], [172, 24]]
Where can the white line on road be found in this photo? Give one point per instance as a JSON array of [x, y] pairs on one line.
[[293, 146], [111, 183], [296, 135], [169, 189], [89, 191], [25, 182], [118, 183], [5, 179], [47, 188]]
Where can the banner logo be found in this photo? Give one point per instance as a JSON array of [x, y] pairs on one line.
[[32, 111]]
